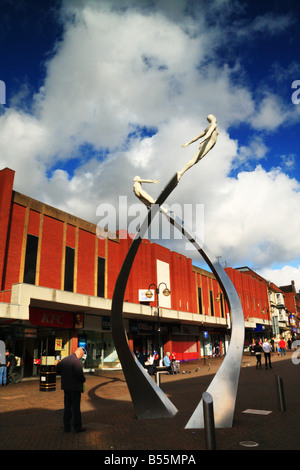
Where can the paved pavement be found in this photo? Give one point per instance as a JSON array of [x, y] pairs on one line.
[[32, 420]]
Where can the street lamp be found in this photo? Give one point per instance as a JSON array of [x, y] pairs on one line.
[[149, 294]]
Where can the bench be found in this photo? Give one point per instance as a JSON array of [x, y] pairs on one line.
[[158, 371]]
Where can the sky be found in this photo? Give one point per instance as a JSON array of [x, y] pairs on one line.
[[99, 91]]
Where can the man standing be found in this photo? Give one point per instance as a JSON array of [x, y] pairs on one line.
[[72, 379], [282, 345], [267, 348]]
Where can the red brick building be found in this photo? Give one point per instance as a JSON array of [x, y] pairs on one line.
[[252, 290]]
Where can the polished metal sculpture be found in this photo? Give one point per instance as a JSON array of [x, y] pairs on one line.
[[148, 399]]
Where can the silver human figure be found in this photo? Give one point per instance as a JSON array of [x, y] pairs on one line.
[[210, 135], [141, 193]]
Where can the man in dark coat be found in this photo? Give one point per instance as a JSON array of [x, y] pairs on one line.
[[72, 379]]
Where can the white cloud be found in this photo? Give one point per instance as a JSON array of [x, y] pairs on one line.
[[283, 276], [117, 68], [251, 218], [271, 113]]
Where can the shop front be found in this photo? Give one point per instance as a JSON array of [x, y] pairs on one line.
[[214, 342], [95, 335], [144, 338], [184, 342], [43, 340], [181, 340]]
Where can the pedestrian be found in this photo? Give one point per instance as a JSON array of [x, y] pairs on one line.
[[282, 345], [3, 369], [11, 364], [257, 351], [72, 380], [267, 353], [217, 349]]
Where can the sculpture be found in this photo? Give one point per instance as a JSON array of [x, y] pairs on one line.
[[140, 192], [148, 399], [211, 135]]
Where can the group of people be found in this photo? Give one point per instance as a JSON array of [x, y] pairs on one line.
[[267, 347], [169, 362], [6, 370], [151, 363]]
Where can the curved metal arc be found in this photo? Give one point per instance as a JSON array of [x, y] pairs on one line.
[[148, 399], [223, 387]]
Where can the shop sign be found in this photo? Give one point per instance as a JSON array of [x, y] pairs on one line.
[[58, 344], [144, 298], [41, 317], [259, 327], [139, 327], [82, 341], [145, 326], [78, 320], [30, 333], [106, 323]]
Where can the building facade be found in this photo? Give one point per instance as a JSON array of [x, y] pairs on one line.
[[57, 279], [292, 302]]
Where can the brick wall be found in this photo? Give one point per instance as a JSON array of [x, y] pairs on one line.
[[6, 187]]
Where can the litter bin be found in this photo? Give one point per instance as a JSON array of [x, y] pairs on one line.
[[47, 379]]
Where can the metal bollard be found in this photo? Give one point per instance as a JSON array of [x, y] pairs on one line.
[[209, 422], [280, 393]]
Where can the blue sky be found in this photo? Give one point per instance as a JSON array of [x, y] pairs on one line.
[[98, 92]]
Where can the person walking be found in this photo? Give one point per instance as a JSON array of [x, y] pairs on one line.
[[72, 380], [257, 351], [282, 345], [267, 348]]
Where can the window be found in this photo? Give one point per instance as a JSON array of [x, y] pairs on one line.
[[200, 300], [69, 269], [101, 277], [221, 305], [211, 303], [30, 259]]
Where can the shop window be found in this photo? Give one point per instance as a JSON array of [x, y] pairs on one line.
[[101, 277], [69, 269], [30, 259]]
